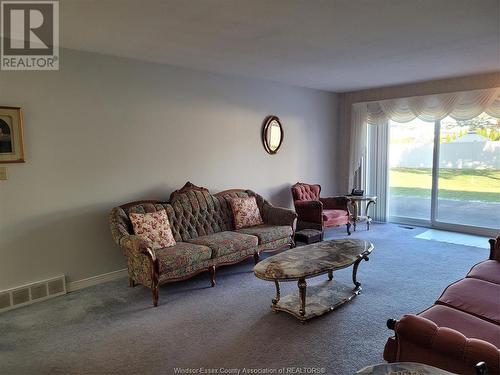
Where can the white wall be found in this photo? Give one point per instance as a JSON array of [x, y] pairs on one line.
[[104, 131]]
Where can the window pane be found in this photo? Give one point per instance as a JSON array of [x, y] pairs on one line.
[[410, 173], [469, 172]]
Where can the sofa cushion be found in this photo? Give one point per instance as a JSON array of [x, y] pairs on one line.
[[488, 270], [268, 233], [223, 243], [183, 254], [155, 227], [335, 216], [469, 325], [473, 296], [246, 212]]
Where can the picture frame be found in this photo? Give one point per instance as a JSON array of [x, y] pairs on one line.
[[11, 135]]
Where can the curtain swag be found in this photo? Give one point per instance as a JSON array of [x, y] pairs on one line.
[[458, 105]]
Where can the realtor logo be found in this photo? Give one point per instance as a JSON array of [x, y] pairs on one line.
[[30, 35]]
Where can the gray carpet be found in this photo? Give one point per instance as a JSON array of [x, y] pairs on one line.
[[112, 329]]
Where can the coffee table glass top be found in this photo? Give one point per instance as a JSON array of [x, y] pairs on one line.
[[310, 260], [402, 368]]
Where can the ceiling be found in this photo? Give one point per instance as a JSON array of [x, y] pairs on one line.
[[335, 45]]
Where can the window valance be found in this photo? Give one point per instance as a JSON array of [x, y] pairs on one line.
[[459, 105], [462, 105]]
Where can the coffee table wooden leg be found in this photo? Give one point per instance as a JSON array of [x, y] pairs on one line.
[[276, 300], [330, 275], [302, 292]]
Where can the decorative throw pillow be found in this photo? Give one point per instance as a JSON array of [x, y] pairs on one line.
[[154, 227], [245, 212]]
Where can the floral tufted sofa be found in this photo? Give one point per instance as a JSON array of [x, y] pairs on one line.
[[203, 227]]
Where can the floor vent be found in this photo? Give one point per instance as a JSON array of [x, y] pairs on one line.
[[4, 300], [405, 227], [27, 294]]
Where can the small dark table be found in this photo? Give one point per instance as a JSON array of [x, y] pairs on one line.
[[309, 235]]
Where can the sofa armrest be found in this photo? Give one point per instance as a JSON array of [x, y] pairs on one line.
[[142, 262], [137, 245], [334, 203], [445, 344], [279, 216], [118, 224], [310, 211], [495, 249]]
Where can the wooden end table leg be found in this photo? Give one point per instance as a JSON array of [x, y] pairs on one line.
[[368, 218], [330, 275], [302, 292], [355, 214]]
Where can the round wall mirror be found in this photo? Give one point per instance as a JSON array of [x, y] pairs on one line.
[[272, 134]]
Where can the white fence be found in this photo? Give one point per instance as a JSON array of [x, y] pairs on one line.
[[480, 155]]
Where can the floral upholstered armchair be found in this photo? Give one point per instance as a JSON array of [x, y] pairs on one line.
[[319, 213]]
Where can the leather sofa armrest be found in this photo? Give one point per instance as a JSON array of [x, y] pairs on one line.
[[495, 249], [334, 203], [279, 216], [447, 342], [310, 211]]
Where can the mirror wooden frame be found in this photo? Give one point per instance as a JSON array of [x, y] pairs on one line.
[[265, 141]]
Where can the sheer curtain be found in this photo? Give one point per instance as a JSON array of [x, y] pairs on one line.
[[462, 105]]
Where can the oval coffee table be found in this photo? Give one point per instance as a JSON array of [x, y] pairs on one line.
[[301, 263]]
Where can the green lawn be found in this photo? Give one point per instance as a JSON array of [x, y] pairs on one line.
[[462, 184]]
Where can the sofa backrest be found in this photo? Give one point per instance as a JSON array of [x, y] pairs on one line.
[[192, 212], [196, 212]]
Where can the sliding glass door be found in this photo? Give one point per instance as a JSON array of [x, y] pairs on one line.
[[410, 169], [469, 172], [446, 173]]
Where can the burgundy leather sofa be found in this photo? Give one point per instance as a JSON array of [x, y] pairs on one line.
[[461, 329], [319, 213]]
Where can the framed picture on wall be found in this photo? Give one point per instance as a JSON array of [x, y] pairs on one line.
[[11, 135]]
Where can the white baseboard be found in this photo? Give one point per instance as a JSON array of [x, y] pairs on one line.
[[94, 280]]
